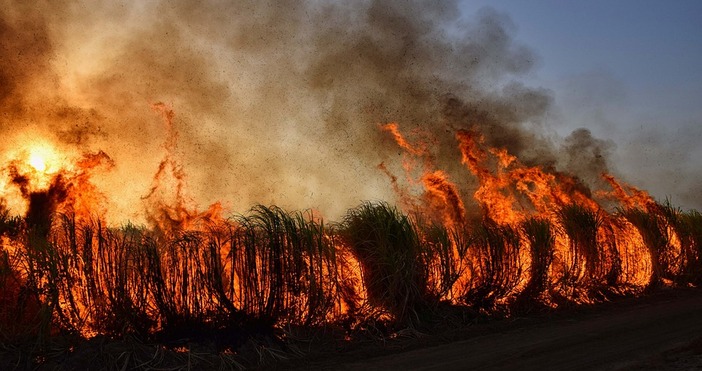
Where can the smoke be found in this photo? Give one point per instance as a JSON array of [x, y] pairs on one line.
[[665, 160], [587, 156], [275, 101]]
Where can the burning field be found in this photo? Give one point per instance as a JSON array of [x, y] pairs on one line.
[[119, 122]]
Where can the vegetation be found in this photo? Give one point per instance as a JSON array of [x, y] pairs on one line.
[[655, 233], [540, 239], [264, 276], [387, 245], [496, 251]]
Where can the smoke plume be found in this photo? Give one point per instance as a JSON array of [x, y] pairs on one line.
[[274, 101]]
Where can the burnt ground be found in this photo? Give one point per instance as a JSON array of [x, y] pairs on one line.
[[662, 330], [659, 331]]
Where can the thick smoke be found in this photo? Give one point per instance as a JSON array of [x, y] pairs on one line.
[[275, 101]]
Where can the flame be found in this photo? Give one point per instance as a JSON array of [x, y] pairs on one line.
[[473, 207], [611, 252], [41, 161], [37, 160], [168, 206], [510, 192]]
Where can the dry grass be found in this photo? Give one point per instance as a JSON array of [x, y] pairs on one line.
[[234, 285]]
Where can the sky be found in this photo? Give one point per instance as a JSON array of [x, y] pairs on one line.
[[627, 70]]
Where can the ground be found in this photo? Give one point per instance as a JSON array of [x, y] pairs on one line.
[[660, 331]]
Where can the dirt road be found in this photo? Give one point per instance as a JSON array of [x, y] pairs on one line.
[[617, 337]]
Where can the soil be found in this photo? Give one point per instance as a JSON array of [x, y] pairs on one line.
[[659, 331]]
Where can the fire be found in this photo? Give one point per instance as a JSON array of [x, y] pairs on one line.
[[541, 235], [45, 162], [590, 246], [481, 217], [37, 161]]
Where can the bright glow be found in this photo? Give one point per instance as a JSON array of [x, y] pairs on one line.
[[37, 161], [43, 158], [41, 163]]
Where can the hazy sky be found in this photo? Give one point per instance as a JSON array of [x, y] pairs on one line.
[[627, 70]]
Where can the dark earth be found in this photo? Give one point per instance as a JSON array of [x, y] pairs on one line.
[[660, 331]]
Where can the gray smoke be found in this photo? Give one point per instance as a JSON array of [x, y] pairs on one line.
[[275, 101]]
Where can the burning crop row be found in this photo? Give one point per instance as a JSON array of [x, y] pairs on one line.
[[491, 216], [66, 270]]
